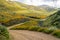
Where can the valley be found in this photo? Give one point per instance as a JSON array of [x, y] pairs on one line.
[[28, 22]]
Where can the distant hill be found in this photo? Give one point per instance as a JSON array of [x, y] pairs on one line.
[[11, 10], [48, 8], [42, 9], [38, 8]]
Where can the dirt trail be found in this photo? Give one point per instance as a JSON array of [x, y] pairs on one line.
[[14, 26], [30, 35]]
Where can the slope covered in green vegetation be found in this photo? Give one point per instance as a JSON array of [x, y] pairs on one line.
[[53, 20], [10, 10], [7, 10], [27, 25], [4, 34]]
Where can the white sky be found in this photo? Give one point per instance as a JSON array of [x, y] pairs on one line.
[[41, 2]]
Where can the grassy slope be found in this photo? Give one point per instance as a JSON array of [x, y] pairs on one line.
[[53, 20], [8, 11], [38, 9], [12, 10], [26, 25]]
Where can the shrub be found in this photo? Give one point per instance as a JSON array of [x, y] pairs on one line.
[[4, 34], [56, 33], [47, 31], [19, 28], [40, 30], [33, 28]]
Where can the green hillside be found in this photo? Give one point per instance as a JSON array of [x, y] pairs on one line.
[[53, 20], [43, 9], [11, 10], [26, 25], [8, 10]]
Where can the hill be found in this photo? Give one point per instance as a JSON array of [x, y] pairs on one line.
[[7, 10], [12, 10], [48, 8], [53, 20], [42, 9]]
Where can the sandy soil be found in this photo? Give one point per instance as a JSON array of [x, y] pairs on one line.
[[30, 35]]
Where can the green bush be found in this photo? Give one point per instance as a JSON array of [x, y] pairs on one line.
[[40, 30], [56, 33], [19, 28], [4, 34], [47, 31], [33, 28]]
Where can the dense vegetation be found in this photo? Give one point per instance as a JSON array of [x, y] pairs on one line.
[[53, 20], [4, 34], [28, 24], [12, 10], [15, 21]]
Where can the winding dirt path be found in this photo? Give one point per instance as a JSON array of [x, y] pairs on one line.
[[29, 35]]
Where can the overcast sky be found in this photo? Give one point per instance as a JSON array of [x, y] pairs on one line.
[[41, 2]]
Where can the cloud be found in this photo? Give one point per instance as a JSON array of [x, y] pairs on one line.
[[56, 3], [38, 2], [49, 0]]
